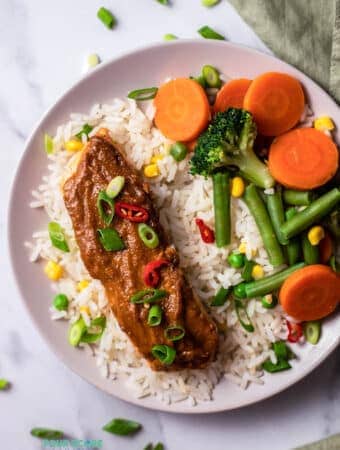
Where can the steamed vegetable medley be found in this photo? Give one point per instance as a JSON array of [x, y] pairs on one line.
[[245, 135]]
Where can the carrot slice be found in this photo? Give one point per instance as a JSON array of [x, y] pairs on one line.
[[231, 95], [304, 158], [276, 101], [310, 293], [182, 109], [326, 248]]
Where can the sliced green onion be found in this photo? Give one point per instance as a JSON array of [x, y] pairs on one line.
[[48, 143], [60, 302], [110, 239], [148, 296], [76, 332], [95, 331], [165, 354], [106, 17], [122, 427], [143, 94], [236, 260], [242, 316], [269, 301], [46, 433], [200, 80], [85, 130], [209, 3], [281, 350], [211, 76], [178, 151], [4, 384], [115, 186], [282, 364], [312, 331], [163, 2], [159, 446], [105, 207], [148, 235], [155, 316], [57, 236], [248, 270], [169, 37], [209, 33], [221, 296], [174, 333], [240, 290]]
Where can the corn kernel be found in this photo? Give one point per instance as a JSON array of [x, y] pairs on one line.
[[316, 234], [85, 309], [243, 249], [73, 145], [237, 187], [324, 123], [82, 285], [156, 158], [93, 60], [151, 170], [257, 272], [53, 270]]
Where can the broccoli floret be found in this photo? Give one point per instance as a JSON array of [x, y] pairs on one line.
[[228, 141]]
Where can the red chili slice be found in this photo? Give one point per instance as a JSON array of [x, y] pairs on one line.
[[151, 274], [207, 234], [295, 331], [133, 213]]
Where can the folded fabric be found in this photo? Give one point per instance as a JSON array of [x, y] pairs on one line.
[[305, 33], [331, 443]]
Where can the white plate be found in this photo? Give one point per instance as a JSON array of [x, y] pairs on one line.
[[141, 68]]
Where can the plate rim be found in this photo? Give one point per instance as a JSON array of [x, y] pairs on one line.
[[163, 407]]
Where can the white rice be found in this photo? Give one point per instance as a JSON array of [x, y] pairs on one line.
[[180, 198]]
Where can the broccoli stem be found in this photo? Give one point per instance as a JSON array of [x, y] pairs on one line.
[[269, 284], [293, 247], [253, 169], [221, 192], [276, 213], [313, 213], [298, 198], [310, 252], [260, 214]]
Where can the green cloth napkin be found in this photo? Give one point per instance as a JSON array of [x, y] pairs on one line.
[[331, 443], [305, 33]]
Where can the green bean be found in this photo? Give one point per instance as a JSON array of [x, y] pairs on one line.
[[293, 247], [310, 252], [276, 213], [269, 284], [313, 213], [260, 214], [298, 198], [222, 208]]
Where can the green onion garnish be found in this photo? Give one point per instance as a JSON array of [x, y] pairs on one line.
[[95, 331], [281, 350], [169, 37], [281, 365], [200, 80], [148, 235], [85, 130], [174, 333], [269, 301], [110, 239], [4, 384], [46, 433], [60, 302], [155, 316], [106, 17], [148, 296], [57, 236], [122, 427], [115, 186], [211, 76], [312, 331], [105, 207], [48, 143], [76, 332], [221, 296], [242, 316], [159, 446], [163, 2], [165, 354], [209, 3], [209, 33], [143, 94], [283, 354]]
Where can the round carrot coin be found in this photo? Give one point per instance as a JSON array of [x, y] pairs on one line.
[[231, 95]]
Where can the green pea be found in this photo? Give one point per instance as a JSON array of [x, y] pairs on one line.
[[236, 260], [60, 302], [240, 290], [178, 151]]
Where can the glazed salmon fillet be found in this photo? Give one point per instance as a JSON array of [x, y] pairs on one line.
[[121, 272]]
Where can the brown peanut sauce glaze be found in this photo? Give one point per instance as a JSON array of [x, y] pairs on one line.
[[121, 272]]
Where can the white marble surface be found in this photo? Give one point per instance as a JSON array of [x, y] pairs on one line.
[[42, 48]]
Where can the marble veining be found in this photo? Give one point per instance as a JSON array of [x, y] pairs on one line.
[[42, 49]]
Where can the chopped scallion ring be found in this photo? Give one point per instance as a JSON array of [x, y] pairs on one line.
[[211, 76], [155, 316], [105, 207], [4, 384], [110, 239], [48, 143], [76, 332], [148, 235], [209, 3], [143, 94], [165, 354], [106, 17], [46, 433], [115, 186], [57, 236], [209, 33], [85, 130], [95, 331], [169, 37], [122, 427], [148, 296], [174, 333]]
